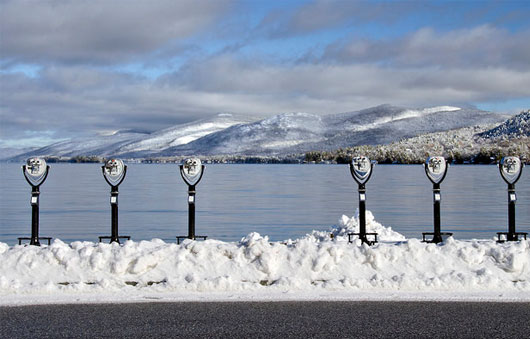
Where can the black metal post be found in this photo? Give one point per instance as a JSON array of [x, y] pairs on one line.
[[510, 169], [114, 214], [362, 214], [512, 234], [191, 211], [437, 236], [114, 232], [361, 180], [35, 216], [191, 182], [35, 193], [436, 170]]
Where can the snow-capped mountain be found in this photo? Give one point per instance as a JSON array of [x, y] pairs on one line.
[[518, 126], [482, 144], [134, 144], [10, 152], [300, 132], [281, 134], [274, 134], [101, 145], [178, 135], [385, 124]]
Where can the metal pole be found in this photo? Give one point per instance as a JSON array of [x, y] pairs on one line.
[[35, 216], [512, 236], [114, 214], [362, 213], [191, 211], [437, 237], [114, 183]]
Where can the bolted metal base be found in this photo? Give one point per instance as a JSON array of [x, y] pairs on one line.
[[20, 239], [511, 236], [128, 237], [364, 238], [183, 237], [436, 237]]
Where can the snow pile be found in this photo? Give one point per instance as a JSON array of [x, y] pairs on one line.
[[351, 225], [306, 268]]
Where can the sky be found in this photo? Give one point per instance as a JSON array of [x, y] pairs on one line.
[[78, 68]]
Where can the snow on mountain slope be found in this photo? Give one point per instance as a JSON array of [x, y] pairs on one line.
[[282, 134], [409, 113], [10, 152], [131, 144], [101, 145], [394, 124], [300, 132], [180, 134], [518, 126], [262, 137]]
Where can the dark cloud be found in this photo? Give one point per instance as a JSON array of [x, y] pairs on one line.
[[480, 46], [320, 15], [98, 31], [325, 14]]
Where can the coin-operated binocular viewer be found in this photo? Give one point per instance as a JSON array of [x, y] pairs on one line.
[[114, 172], [361, 170], [35, 171], [511, 169], [191, 171], [436, 170]]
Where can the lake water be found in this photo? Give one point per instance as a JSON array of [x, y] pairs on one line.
[[281, 201]]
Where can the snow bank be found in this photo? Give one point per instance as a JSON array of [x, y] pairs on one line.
[[313, 267], [351, 225]]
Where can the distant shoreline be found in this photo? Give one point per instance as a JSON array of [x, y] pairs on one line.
[[250, 162]]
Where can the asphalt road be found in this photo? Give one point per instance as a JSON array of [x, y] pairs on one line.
[[269, 319]]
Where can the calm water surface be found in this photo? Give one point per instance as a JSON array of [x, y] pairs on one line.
[[281, 201]]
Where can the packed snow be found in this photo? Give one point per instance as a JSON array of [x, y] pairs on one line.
[[320, 266]]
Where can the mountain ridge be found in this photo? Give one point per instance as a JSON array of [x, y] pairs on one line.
[[311, 132], [281, 134]]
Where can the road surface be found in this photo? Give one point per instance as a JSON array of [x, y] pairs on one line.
[[269, 320]]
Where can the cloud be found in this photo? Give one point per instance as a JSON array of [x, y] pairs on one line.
[[89, 57], [99, 31], [320, 15], [338, 82], [480, 46], [75, 100], [331, 13]]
